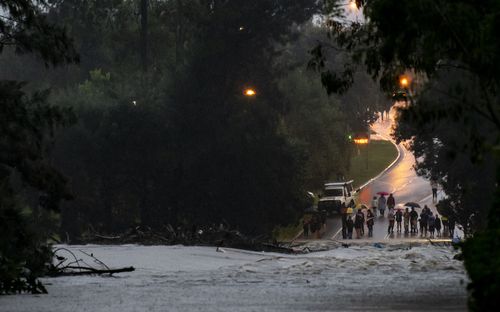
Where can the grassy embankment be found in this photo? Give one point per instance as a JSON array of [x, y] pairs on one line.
[[369, 162]]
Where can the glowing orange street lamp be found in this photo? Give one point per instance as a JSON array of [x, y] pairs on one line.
[[404, 82], [353, 5], [249, 92]]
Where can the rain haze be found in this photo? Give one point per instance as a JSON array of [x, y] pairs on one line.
[[234, 155]]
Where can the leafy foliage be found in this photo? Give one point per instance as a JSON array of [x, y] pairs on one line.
[[180, 144], [26, 123]]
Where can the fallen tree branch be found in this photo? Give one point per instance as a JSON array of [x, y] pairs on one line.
[[89, 271], [107, 237]]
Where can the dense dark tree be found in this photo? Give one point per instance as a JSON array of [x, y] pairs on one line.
[[232, 163], [181, 144], [26, 123]]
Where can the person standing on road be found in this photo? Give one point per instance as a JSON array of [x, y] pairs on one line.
[[434, 187], [430, 222], [437, 225], [369, 222], [399, 219], [444, 219], [424, 217], [305, 227], [390, 216], [358, 223], [391, 202], [350, 226], [406, 218], [343, 212], [413, 220], [451, 227], [362, 222], [382, 202], [374, 205]]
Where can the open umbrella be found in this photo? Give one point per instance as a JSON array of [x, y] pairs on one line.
[[400, 207], [383, 193], [412, 205], [361, 206]]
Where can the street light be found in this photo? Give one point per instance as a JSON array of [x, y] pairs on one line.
[[403, 82], [353, 5], [249, 92]]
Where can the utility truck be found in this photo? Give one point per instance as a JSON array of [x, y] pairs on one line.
[[335, 196]]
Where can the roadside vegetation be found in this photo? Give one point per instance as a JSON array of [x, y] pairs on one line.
[[372, 159]]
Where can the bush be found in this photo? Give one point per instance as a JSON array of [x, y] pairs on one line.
[[23, 256]]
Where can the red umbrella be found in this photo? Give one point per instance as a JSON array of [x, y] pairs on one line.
[[382, 193]]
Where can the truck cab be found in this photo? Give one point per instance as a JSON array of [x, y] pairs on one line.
[[335, 196]]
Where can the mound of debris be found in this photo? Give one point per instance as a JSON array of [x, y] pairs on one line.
[[205, 236]]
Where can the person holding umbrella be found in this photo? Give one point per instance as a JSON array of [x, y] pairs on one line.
[[413, 220]]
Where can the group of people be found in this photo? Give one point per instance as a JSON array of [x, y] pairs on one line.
[[358, 224], [314, 225], [430, 223], [409, 220], [383, 203]]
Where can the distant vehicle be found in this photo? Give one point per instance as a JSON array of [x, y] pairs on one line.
[[400, 95], [335, 195]]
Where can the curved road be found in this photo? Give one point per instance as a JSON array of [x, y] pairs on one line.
[[400, 179]]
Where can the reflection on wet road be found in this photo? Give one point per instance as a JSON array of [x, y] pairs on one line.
[[401, 180]]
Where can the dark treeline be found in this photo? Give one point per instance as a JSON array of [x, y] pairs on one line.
[[162, 131]]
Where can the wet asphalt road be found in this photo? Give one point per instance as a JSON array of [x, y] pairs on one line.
[[400, 179]]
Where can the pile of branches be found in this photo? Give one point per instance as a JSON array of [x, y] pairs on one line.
[[66, 263], [201, 236]]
